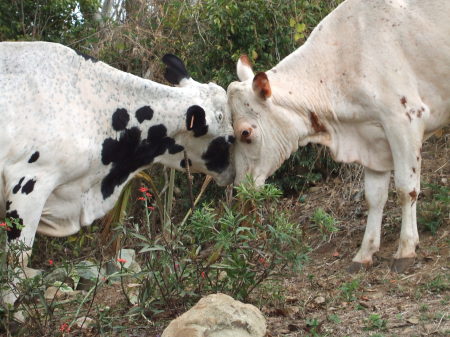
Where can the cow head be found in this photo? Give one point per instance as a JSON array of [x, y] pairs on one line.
[[209, 137], [266, 133]]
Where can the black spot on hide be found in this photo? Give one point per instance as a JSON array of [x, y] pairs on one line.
[[34, 157], [231, 139], [175, 69], [175, 148], [87, 57], [120, 119], [14, 233], [196, 120], [18, 186], [28, 187], [130, 153], [183, 163], [217, 156], [144, 113], [8, 205]]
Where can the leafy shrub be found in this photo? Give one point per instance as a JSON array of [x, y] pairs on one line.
[[324, 222], [432, 213], [219, 249]]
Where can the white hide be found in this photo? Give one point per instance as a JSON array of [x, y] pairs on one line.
[[372, 82]]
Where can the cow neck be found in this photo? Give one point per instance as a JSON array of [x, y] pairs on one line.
[[169, 104], [297, 87], [130, 92]]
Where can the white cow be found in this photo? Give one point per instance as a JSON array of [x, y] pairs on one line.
[[75, 130], [372, 82]]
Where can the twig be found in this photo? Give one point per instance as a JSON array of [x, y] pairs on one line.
[[188, 171]]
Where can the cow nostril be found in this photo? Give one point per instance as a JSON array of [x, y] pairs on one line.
[[246, 133]]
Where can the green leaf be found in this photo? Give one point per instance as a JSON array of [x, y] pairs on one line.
[[300, 27], [292, 22], [298, 36], [151, 249]]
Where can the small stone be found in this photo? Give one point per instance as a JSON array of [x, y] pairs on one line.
[[319, 300], [85, 323], [413, 320], [364, 304], [53, 293], [59, 274]]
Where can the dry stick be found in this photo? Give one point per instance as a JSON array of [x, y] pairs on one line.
[[202, 190], [188, 171], [95, 292]]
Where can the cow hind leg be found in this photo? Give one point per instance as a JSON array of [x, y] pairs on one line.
[[24, 208], [405, 140], [376, 185]]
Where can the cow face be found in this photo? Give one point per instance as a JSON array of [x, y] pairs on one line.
[[209, 135], [209, 138], [263, 129]]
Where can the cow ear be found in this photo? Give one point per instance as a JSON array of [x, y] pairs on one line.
[[176, 72], [244, 68], [261, 85], [196, 121]]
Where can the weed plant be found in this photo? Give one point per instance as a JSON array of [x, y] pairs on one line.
[[219, 249]]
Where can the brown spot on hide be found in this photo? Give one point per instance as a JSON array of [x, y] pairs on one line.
[[403, 101], [419, 113], [245, 60], [414, 169], [315, 123], [409, 116], [290, 92], [413, 195]]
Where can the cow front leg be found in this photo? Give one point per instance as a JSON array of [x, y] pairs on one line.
[[376, 185]]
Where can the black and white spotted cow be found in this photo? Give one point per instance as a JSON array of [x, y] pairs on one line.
[[75, 130]]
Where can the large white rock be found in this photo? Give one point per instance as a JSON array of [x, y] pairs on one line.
[[218, 315]]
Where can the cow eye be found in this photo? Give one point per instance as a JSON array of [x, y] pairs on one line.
[[219, 116]]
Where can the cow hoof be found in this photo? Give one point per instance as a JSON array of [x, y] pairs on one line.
[[401, 265], [356, 267]]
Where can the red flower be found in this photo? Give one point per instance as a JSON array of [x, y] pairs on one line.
[[5, 226], [148, 195], [143, 189], [151, 208], [141, 198], [120, 260], [203, 274], [50, 262], [64, 327]]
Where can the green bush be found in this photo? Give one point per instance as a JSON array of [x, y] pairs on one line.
[[219, 249]]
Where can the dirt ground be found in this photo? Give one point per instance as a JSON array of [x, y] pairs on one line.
[[325, 300]]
